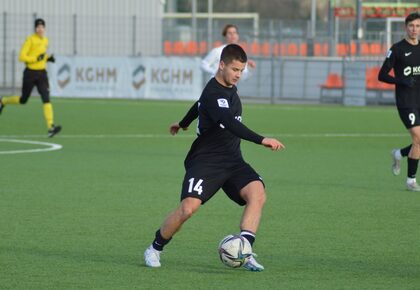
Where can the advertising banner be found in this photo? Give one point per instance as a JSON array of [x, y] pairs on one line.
[[126, 77]]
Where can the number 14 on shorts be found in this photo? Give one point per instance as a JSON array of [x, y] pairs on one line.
[[197, 187]]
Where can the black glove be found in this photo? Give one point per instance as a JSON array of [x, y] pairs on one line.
[[51, 58], [40, 57], [408, 82]]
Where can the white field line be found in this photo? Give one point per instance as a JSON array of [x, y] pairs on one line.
[[48, 146]]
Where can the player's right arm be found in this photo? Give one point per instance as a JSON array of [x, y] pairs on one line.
[[388, 65], [191, 115], [24, 52]]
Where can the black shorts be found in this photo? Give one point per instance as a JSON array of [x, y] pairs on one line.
[[32, 78], [410, 117], [202, 181]]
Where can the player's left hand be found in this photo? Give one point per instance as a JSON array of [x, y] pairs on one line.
[[174, 128], [273, 144], [252, 63]]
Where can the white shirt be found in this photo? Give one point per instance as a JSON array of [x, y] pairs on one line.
[[210, 63]]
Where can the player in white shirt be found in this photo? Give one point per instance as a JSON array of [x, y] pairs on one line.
[[210, 63]]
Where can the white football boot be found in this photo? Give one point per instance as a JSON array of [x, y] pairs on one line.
[[253, 265], [152, 257], [413, 186], [396, 163]]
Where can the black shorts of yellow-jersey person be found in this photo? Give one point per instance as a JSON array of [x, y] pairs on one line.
[[34, 55], [404, 58], [215, 160]]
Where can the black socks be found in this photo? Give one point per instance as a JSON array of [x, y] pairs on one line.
[[159, 242]]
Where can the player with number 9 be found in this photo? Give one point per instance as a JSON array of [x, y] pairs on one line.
[[404, 58]]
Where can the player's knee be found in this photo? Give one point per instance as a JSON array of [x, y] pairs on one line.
[[260, 197], [256, 197], [416, 141], [187, 209], [186, 212]]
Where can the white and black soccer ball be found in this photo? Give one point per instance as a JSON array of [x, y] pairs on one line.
[[234, 251]]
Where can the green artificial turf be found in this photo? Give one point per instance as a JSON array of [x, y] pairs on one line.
[[81, 217]]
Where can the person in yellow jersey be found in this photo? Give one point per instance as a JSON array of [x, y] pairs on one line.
[[34, 55]]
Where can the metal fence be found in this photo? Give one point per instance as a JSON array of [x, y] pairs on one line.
[[278, 77]]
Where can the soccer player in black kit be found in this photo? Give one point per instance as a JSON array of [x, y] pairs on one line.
[[215, 160], [404, 58]]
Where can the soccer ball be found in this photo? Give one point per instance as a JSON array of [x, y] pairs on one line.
[[234, 251]]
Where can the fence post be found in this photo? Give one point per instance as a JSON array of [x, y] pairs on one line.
[[272, 64], [4, 48], [74, 34], [134, 35], [14, 72], [281, 77]]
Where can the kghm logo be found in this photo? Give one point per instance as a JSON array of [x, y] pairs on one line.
[[139, 77], [63, 76], [415, 70]]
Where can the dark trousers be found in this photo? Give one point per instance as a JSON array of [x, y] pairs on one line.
[[38, 78]]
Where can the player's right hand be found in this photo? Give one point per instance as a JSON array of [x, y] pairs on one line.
[[40, 57], [174, 128], [273, 144]]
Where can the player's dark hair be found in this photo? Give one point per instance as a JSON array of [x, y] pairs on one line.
[[411, 17], [227, 27], [39, 21], [233, 52]]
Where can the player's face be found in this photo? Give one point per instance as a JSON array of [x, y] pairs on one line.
[[232, 35], [232, 72], [40, 30], [413, 29]]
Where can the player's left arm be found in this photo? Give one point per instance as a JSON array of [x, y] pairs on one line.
[[221, 114], [243, 132]]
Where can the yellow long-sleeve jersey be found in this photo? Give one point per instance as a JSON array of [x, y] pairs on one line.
[[33, 47]]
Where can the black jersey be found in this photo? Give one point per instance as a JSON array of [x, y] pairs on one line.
[[404, 58], [219, 127]]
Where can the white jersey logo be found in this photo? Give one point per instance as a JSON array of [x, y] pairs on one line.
[[389, 54], [407, 54], [223, 103]]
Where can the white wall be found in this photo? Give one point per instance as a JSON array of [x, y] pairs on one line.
[[104, 27]]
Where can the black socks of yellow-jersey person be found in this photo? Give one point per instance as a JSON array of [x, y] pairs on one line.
[[159, 242]]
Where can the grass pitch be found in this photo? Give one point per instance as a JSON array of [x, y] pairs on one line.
[[81, 217]]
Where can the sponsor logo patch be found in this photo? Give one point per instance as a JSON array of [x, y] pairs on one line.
[[223, 103], [388, 55]]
